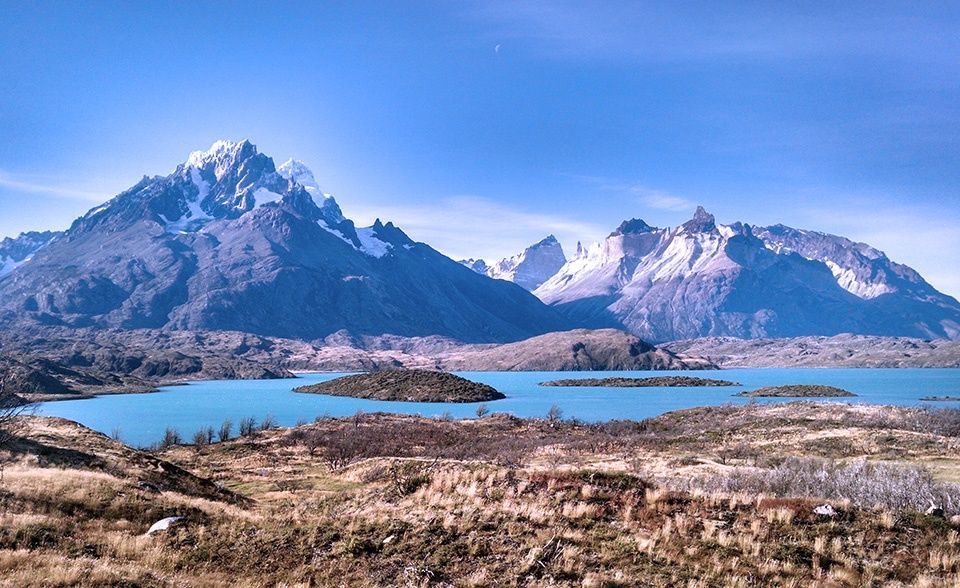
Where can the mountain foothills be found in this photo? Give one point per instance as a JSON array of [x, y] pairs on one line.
[[228, 241]]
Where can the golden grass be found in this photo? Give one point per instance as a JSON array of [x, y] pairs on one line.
[[467, 523]]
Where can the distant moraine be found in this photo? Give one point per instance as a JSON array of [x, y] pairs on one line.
[[406, 386], [798, 391], [653, 382]]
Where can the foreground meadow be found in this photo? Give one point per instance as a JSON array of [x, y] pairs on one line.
[[794, 494]]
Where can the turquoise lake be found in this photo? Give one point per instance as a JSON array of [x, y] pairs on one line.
[[142, 418]]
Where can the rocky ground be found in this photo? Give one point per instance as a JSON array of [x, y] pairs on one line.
[[153, 353], [838, 351], [799, 494], [406, 386]]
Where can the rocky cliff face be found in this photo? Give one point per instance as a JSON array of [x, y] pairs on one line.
[[528, 269], [704, 279], [230, 242], [16, 251]]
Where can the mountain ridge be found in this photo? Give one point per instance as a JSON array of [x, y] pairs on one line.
[[704, 279], [227, 242]]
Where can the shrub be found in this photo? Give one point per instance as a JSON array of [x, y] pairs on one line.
[[226, 430], [268, 423], [11, 406], [555, 414], [170, 438], [865, 484], [248, 426], [482, 411]]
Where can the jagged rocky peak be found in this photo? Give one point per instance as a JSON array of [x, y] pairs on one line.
[[478, 265], [223, 157], [534, 266], [18, 250], [633, 226], [528, 269], [296, 171], [702, 222]]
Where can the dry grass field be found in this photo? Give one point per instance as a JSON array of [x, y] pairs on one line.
[[722, 496]]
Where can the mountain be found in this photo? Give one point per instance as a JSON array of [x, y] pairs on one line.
[[228, 241], [530, 268], [704, 279], [579, 349], [16, 251]]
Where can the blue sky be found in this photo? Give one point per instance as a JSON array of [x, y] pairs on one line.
[[481, 127]]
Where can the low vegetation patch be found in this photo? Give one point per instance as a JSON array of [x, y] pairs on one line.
[[718, 496], [408, 386], [798, 391]]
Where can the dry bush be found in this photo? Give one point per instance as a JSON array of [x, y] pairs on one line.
[[865, 484]]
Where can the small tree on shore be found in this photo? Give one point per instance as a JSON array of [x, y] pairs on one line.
[[226, 430], [248, 426], [11, 407], [269, 422], [171, 437], [482, 411], [200, 438], [554, 415]]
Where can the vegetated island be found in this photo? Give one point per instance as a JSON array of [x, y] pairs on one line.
[[406, 386], [941, 399], [797, 391], [652, 382]]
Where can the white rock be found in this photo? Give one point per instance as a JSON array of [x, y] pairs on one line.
[[163, 524], [825, 510]]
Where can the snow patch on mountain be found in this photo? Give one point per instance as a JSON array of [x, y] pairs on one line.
[[860, 269], [195, 216], [370, 244], [222, 154], [297, 171], [263, 196], [17, 251], [848, 280]]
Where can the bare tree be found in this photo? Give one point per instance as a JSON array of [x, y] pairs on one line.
[[171, 437], [554, 415], [248, 426], [11, 407], [226, 429]]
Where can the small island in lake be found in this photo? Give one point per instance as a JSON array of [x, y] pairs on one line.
[[406, 386], [798, 391], [941, 399], [653, 382]]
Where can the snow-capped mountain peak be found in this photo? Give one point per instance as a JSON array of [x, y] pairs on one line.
[[528, 269], [702, 278], [221, 156], [296, 170]]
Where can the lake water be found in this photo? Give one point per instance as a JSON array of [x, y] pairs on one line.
[[142, 418]]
